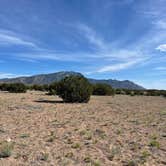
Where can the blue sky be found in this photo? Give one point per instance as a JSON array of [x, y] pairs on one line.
[[117, 39]]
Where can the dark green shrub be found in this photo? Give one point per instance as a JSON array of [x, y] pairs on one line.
[[118, 91], [132, 93], [103, 90], [37, 87], [74, 89], [163, 93], [4, 87], [52, 88], [6, 149], [150, 92], [139, 92], [153, 92], [16, 88], [45, 87], [127, 91]]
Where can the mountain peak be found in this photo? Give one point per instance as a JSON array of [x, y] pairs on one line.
[[55, 77]]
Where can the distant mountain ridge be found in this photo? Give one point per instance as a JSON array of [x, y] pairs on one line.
[[55, 77]]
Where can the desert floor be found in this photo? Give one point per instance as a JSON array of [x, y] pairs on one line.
[[108, 131]]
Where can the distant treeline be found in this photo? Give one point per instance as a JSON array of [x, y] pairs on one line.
[[96, 89], [149, 92]]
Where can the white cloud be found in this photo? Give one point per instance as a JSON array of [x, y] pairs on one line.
[[50, 55], [105, 51], [9, 75], [39, 56], [9, 38], [161, 48], [92, 37], [118, 66], [122, 54]]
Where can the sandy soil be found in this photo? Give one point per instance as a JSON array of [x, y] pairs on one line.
[[108, 131]]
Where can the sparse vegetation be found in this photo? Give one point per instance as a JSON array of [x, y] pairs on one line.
[[131, 163], [86, 134], [106, 130], [6, 149], [24, 135], [51, 137], [154, 143], [150, 92], [44, 156], [87, 159], [38, 87], [14, 88], [103, 90], [69, 155], [144, 156], [52, 88], [76, 145]]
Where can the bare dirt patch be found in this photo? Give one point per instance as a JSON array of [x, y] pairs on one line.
[[120, 130]]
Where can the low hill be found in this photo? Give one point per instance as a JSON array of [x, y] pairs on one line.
[[55, 77]]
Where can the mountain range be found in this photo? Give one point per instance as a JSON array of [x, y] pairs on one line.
[[55, 77]]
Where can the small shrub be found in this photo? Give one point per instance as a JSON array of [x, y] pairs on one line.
[[52, 88], [164, 94], [45, 87], [51, 137], [16, 88], [76, 146], [103, 90], [24, 135], [127, 91], [144, 156], [87, 159], [37, 87], [3, 87], [86, 134], [69, 155], [44, 156], [6, 149], [118, 91], [139, 92], [96, 163], [131, 163], [153, 92], [74, 89], [154, 143]]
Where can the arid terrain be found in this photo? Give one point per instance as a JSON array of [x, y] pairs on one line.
[[108, 131]]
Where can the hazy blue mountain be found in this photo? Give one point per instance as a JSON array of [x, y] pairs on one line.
[[126, 84], [54, 77]]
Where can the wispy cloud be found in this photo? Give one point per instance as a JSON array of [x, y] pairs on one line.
[[92, 36], [52, 55], [161, 48], [119, 59], [126, 57], [118, 66], [9, 75], [9, 38]]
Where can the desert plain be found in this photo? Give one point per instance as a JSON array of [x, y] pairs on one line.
[[108, 131]]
